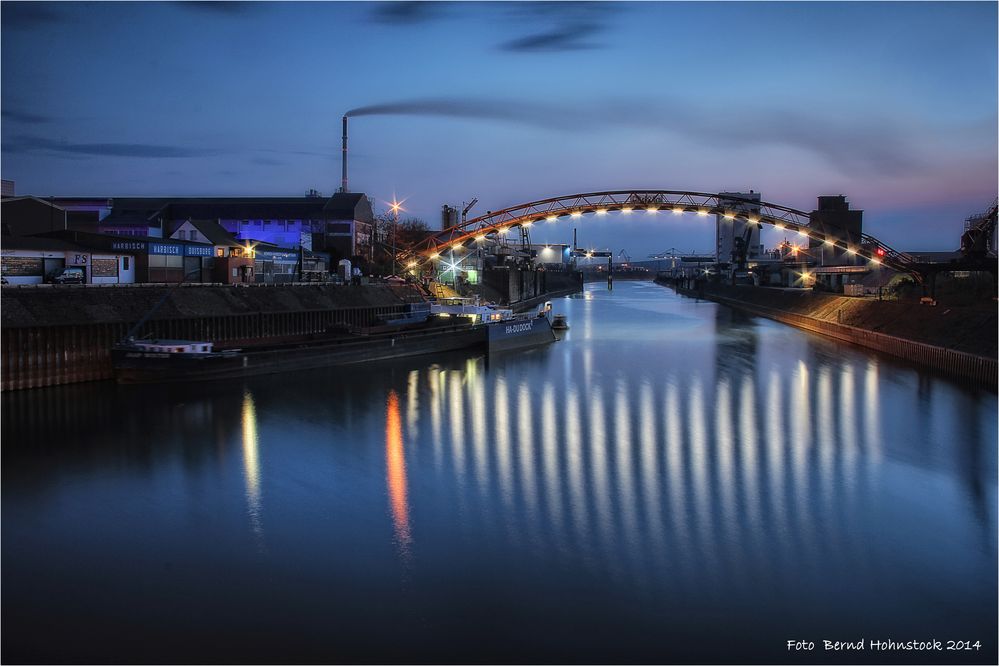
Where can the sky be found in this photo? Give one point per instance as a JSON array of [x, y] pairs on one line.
[[892, 104]]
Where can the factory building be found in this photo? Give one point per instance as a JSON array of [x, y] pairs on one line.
[[837, 222]]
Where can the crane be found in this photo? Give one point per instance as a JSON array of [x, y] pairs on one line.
[[464, 212], [624, 255]]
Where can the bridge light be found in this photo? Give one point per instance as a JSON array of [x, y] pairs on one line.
[[435, 255], [526, 224], [552, 218], [576, 213], [802, 232], [729, 216], [626, 210], [850, 250], [881, 252], [753, 220], [504, 231], [875, 261], [829, 242], [702, 212], [589, 255], [677, 210], [778, 226], [411, 264], [651, 209], [601, 211], [480, 237]]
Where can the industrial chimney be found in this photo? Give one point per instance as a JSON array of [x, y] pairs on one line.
[[343, 183]]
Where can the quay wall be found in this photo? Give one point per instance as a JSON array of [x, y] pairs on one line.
[[517, 288], [963, 346], [64, 334]]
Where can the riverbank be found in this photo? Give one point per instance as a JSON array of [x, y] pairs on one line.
[[959, 341]]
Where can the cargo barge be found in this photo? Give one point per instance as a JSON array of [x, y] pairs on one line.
[[162, 361]]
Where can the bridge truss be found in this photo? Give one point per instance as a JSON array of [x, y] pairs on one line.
[[495, 225]]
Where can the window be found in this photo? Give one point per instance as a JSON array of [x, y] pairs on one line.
[[219, 252], [124, 263], [235, 273]]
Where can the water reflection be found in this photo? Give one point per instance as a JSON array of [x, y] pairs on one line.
[[251, 465], [664, 460], [726, 468], [395, 465]]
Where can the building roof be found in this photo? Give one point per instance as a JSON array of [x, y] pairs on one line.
[[29, 197], [213, 231], [344, 205], [37, 243], [243, 209]]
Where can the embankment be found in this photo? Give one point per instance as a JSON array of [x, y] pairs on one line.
[[961, 341], [61, 335]]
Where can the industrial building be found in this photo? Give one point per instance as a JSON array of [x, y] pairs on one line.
[[730, 232]]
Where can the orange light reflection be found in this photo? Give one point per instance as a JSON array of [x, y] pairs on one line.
[[395, 462]]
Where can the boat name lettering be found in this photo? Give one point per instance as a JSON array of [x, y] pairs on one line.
[[520, 328]]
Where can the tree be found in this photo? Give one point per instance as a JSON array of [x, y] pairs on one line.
[[409, 231]]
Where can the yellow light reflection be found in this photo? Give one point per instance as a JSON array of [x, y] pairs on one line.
[[395, 465], [251, 462]]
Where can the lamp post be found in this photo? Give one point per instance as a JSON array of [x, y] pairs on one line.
[[395, 207]]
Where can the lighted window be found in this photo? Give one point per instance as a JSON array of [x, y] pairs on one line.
[[219, 252]]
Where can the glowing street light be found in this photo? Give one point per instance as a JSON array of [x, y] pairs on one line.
[[677, 210]]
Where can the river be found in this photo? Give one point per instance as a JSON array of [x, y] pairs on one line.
[[672, 481]]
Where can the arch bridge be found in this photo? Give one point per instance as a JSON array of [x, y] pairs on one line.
[[496, 225]]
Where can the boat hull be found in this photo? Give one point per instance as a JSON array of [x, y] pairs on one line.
[[519, 333], [133, 367]]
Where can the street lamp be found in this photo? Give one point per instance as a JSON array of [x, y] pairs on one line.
[[395, 207]]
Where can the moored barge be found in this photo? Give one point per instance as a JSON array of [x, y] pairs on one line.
[[161, 361]]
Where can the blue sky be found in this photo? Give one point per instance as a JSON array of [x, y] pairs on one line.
[[891, 104]]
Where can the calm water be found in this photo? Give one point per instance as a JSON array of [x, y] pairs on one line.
[[673, 481]]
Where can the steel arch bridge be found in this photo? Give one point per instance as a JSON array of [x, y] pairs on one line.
[[494, 225]]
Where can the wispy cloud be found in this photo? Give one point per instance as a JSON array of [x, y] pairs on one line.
[[25, 117], [27, 144], [223, 8], [566, 38], [406, 13], [27, 15], [551, 26]]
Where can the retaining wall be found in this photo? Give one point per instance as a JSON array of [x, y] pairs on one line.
[[64, 335], [979, 369]]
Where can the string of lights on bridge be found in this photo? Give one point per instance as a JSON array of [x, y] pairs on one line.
[[436, 246]]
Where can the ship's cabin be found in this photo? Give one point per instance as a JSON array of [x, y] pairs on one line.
[[174, 346]]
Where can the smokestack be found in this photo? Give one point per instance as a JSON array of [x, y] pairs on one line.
[[343, 183]]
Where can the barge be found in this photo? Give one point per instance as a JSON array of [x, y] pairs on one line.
[[444, 329]]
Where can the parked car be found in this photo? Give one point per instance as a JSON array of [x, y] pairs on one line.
[[69, 275]]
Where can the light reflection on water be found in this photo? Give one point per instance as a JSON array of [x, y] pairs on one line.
[[666, 459]]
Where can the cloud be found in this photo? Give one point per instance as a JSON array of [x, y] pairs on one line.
[[24, 117], [27, 15], [568, 38], [867, 145], [26, 144], [219, 8], [405, 13]]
